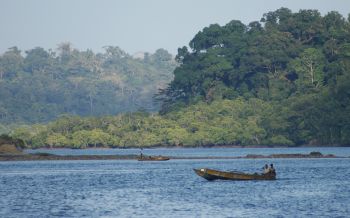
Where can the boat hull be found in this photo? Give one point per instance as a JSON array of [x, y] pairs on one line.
[[210, 174], [155, 158]]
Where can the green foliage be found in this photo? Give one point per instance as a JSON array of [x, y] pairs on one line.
[[80, 139], [24, 133], [298, 63], [43, 85], [4, 129], [309, 68], [57, 140], [282, 81], [279, 140]]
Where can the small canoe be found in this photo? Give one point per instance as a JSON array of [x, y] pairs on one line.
[[210, 174], [153, 158]]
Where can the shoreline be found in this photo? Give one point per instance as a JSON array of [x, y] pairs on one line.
[[189, 147], [51, 157]]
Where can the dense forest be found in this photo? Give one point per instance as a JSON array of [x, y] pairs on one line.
[[42, 85], [283, 80]]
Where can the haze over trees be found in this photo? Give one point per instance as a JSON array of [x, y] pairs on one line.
[[282, 81], [43, 84]]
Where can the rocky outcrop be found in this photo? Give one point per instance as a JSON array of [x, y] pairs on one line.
[[45, 156], [9, 146], [313, 154]]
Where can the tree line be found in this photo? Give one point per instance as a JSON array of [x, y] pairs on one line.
[[40, 85], [283, 80], [297, 62]]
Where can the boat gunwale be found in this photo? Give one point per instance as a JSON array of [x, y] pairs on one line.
[[153, 158], [212, 174]]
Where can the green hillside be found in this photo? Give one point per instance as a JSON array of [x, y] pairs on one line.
[[40, 85], [282, 81], [299, 63]]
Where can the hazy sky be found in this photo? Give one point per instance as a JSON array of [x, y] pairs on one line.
[[133, 25]]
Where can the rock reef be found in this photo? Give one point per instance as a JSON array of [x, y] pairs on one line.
[[313, 154], [19, 156]]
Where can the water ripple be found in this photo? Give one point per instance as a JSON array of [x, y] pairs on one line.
[[305, 188]]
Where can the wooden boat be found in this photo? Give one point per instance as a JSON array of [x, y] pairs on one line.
[[210, 174], [153, 158]]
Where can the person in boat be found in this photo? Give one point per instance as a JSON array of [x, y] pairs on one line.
[[266, 169], [272, 169]]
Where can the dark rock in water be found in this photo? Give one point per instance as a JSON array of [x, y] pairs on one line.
[[254, 156], [44, 154], [315, 153], [330, 155]]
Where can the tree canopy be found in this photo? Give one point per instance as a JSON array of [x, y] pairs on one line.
[[297, 61], [283, 80], [41, 85]]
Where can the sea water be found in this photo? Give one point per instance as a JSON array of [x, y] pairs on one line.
[[197, 152], [128, 188]]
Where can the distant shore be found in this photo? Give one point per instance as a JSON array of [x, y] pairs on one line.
[[191, 147], [46, 156], [10, 152]]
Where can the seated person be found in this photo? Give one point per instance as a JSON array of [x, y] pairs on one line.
[[271, 169], [266, 169]]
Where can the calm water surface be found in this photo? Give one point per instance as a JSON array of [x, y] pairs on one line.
[[198, 152], [305, 188]]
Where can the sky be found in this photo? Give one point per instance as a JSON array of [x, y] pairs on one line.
[[132, 25]]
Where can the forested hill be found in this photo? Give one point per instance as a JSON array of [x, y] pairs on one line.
[[283, 55], [39, 85], [282, 81], [297, 62]]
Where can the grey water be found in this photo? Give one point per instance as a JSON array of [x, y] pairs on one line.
[[128, 188], [198, 152]]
